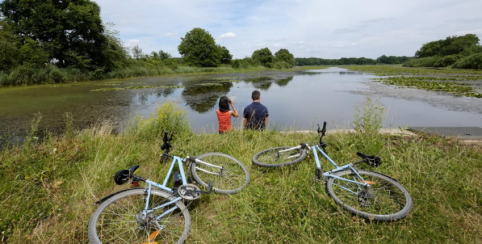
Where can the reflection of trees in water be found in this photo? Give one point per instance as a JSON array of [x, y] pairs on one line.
[[143, 97], [331, 72], [201, 98], [284, 82], [262, 83], [165, 92]]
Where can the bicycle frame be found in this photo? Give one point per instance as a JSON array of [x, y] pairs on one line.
[[149, 184], [337, 168], [179, 162]]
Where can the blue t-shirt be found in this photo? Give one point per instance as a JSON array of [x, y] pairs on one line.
[[255, 113]]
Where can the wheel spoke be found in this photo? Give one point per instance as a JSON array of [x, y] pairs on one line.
[[121, 221], [382, 196]]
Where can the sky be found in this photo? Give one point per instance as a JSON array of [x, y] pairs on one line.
[[307, 28]]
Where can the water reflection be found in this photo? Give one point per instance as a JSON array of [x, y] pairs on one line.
[[284, 82], [327, 72], [261, 83], [201, 98]]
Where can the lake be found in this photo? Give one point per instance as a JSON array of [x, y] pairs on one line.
[[295, 100]]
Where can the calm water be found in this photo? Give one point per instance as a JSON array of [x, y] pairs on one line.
[[294, 99]]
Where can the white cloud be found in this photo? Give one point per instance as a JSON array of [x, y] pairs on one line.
[[227, 35], [171, 34], [374, 27], [132, 42]]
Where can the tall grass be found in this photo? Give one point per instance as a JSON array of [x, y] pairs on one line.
[[49, 187]]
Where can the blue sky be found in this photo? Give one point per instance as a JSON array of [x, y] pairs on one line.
[[307, 28]]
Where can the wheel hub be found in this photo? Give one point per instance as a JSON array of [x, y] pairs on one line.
[[364, 197], [144, 220]]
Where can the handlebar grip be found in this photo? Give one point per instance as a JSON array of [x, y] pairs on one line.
[[165, 139], [324, 127]]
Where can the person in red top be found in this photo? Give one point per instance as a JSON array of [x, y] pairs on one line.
[[224, 114]]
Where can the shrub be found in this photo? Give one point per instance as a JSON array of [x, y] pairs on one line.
[[281, 65], [447, 60], [422, 62], [473, 61], [169, 117]]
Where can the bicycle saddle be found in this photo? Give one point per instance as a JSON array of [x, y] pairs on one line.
[[373, 161], [122, 176]]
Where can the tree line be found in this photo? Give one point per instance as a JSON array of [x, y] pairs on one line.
[[463, 52], [348, 61]]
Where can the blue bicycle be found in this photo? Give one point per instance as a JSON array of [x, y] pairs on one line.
[[367, 194], [157, 213]]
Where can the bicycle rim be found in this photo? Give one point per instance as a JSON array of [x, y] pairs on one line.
[[118, 219], [384, 200], [228, 180], [278, 156]]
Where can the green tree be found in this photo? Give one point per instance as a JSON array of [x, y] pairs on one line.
[[198, 48], [227, 57], [137, 52], [115, 53], [450, 46], [264, 56], [69, 30], [32, 54], [283, 55], [8, 47], [164, 55]]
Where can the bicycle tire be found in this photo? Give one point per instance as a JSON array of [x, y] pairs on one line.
[[271, 158], [106, 223], [378, 206], [235, 175]]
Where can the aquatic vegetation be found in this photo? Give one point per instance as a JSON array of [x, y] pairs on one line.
[[385, 70], [445, 80], [132, 87], [421, 83]]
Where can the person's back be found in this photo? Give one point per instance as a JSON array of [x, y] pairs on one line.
[[224, 114], [224, 119], [256, 114]]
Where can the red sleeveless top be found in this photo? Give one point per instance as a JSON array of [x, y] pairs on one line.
[[224, 120]]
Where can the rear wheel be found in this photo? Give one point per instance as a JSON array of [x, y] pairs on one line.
[[229, 177], [384, 200], [279, 156], [120, 220]]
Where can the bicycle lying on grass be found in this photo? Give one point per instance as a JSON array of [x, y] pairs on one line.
[[367, 194], [150, 215]]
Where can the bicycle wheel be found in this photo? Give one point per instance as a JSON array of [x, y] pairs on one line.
[[274, 158], [228, 180], [384, 200], [119, 219]]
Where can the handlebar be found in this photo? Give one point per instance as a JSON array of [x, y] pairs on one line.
[[322, 132], [166, 146]]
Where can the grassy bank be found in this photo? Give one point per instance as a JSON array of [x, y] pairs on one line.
[[49, 187], [53, 75]]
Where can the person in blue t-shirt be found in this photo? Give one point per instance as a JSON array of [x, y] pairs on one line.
[[256, 114]]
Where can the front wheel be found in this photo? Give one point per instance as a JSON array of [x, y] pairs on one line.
[[279, 156], [384, 200], [226, 172], [121, 219]]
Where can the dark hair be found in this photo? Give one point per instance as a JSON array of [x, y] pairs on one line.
[[224, 104], [255, 95]]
